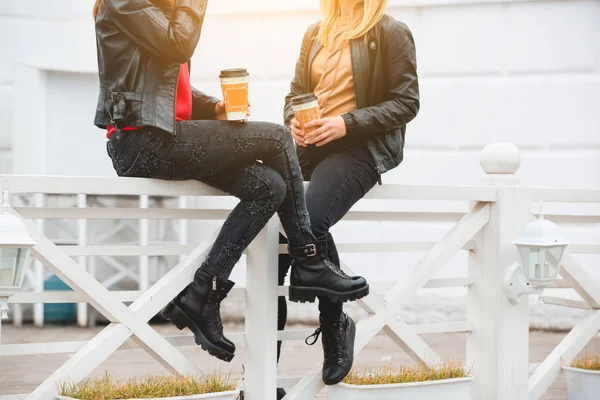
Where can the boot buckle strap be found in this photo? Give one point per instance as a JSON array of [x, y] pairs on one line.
[[310, 250]]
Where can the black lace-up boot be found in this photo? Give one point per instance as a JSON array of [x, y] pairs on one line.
[[197, 308], [338, 346], [313, 274]]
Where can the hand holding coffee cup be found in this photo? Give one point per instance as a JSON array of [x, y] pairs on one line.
[[221, 112], [234, 83], [297, 132], [306, 109]]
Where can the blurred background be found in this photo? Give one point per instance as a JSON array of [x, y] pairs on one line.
[[520, 71]]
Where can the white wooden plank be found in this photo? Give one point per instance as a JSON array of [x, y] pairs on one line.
[[399, 247], [260, 373], [121, 213], [566, 195], [498, 346], [442, 327], [559, 301], [140, 186], [584, 249], [580, 280], [398, 330], [72, 274], [82, 239], [562, 354], [176, 250], [430, 192], [238, 292], [112, 337], [100, 186], [217, 214]]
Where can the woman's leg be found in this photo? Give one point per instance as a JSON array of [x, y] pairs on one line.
[[261, 191], [204, 149], [337, 183]]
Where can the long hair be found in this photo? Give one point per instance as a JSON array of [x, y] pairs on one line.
[[98, 3], [96, 8], [367, 13]]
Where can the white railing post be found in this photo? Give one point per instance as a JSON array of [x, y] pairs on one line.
[[260, 380], [82, 240], [38, 308], [144, 280], [498, 347]]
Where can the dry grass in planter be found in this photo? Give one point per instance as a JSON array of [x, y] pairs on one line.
[[147, 387], [405, 374], [591, 363]]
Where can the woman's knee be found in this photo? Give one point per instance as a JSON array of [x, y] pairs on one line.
[[271, 183]]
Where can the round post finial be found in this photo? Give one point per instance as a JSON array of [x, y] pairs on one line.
[[500, 158]]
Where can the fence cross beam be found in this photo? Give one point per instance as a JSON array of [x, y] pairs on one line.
[[126, 321], [429, 265]]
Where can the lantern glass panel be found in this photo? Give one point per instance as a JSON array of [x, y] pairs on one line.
[[12, 263], [541, 263]]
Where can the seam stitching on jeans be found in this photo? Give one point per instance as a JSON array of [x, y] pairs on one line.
[[336, 197]]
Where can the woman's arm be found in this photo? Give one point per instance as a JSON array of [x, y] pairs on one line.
[[203, 105], [297, 86], [172, 39], [403, 83]]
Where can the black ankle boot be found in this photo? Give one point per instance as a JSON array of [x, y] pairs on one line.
[[313, 274], [211, 316], [338, 346], [197, 309]]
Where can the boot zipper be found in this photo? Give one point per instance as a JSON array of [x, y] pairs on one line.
[[214, 286]]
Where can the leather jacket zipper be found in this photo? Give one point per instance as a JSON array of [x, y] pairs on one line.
[[175, 105]]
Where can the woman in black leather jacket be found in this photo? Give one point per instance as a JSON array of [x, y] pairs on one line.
[[361, 65], [160, 127]]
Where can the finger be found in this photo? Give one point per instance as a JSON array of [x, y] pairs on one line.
[[328, 139], [298, 132], [316, 123], [299, 140], [317, 132], [296, 124], [318, 138]]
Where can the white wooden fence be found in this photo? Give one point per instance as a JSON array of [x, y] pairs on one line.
[[497, 344]]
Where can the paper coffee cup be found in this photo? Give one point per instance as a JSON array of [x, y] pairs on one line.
[[306, 109], [234, 83]]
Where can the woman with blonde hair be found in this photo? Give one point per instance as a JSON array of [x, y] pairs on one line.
[[159, 126], [360, 64]]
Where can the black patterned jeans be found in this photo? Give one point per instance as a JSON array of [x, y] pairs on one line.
[[254, 161]]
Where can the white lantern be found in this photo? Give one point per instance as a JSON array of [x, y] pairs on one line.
[[15, 250], [540, 248]]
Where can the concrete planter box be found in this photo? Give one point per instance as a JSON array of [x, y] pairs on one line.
[[582, 384], [447, 389], [232, 395]]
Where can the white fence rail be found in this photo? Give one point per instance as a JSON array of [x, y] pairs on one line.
[[497, 330]]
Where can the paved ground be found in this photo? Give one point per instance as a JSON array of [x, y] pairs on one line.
[[22, 374]]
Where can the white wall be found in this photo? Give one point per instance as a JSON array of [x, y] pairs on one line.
[[521, 71]]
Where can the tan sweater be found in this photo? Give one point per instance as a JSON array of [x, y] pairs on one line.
[[331, 75]]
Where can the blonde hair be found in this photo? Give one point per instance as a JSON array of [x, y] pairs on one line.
[[372, 12]]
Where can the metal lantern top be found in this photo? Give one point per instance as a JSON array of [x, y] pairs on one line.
[[541, 233], [13, 232]]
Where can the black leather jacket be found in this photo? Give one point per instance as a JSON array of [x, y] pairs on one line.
[[141, 46], [386, 84]]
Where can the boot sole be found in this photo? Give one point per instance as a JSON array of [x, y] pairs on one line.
[[347, 371], [300, 294], [177, 317]]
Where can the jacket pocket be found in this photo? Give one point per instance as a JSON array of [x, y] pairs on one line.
[[148, 165], [123, 107]]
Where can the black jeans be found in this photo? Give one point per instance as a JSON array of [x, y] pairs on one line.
[[254, 161], [340, 175]]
